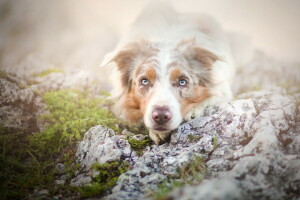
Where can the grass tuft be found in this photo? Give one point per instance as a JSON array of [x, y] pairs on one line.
[[190, 173]]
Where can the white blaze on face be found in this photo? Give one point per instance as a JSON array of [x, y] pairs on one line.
[[162, 95]]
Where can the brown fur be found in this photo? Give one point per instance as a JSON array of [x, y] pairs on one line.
[[132, 107], [207, 58], [199, 94], [129, 57], [175, 74], [192, 52], [137, 97]]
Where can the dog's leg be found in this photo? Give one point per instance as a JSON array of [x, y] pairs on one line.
[[198, 111]]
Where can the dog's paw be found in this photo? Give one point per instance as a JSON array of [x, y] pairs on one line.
[[159, 137], [195, 113], [199, 110]]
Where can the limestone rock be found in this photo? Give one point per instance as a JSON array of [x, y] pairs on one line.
[[20, 107], [250, 146], [101, 145]]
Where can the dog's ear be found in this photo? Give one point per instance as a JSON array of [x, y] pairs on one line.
[[125, 61], [193, 53], [205, 57], [200, 60], [129, 57]]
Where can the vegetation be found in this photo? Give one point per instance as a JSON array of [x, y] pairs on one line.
[[28, 160], [47, 72], [193, 138], [215, 142], [3, 74], [106, 179], [72, 113], [190, 173], [139, 144]]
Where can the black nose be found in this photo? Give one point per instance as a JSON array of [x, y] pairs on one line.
[[161, 115]]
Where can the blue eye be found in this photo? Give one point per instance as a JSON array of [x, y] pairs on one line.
[[144, 81], [182, 82]]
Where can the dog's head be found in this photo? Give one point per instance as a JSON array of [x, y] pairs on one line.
[[160, 85]]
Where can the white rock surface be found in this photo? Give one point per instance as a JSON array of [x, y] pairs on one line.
[[257, 153], [101, 145]]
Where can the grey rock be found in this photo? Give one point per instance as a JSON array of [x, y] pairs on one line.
[[225, 189], [20, 107], [101, 145], [76, 79], [81, 180], [60, 168], [250, 146], [61, 180]]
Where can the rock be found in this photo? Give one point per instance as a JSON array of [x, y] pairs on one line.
[[225, 189], [39, 194], [60, 168], [60, 181], [250, 146], [76, 79], [81, 180], [20, 107], [101, 145]]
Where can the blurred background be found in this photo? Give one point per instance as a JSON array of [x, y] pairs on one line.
[[39, 34]]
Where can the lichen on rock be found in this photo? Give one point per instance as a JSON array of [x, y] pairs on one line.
[[250, 145]]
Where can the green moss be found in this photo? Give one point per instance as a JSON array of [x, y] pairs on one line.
[[106, 179], [292, 88], [192, 172], [255, 88], [28, 160], [3, 74], [47, 72], [139, 144], [167, 186], [193, 138], [72, 113]]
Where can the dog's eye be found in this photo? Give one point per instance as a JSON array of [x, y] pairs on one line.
[[144, 81], [182, 82]]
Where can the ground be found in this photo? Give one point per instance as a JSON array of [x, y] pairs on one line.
[[58, 139]]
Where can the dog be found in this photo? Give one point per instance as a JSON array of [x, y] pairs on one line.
[[168, 68]]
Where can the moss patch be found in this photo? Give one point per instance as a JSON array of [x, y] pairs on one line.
[[72, 113], [3, 74], [106, 179], [193, 138], [28, 159], [139, 144]]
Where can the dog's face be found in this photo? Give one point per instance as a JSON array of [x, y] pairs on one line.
[[161, 85]]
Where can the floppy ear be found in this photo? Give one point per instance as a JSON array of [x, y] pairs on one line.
[[205, 57], [129, 57], [125, 61], [193, 53], [200, 60]]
